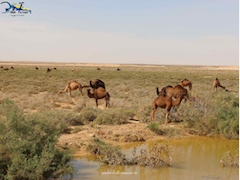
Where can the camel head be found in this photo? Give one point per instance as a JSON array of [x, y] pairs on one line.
[[90, 95]]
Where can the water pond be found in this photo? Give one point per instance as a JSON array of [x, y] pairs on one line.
[[192, 158]]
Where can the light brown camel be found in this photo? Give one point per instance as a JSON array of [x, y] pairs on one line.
[[186, 82], [73, 85], [166, 102], [173, 91], [99, 93], [216, 83]]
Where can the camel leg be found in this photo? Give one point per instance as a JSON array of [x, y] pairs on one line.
[[153, 112], [107, 102], [80, 89], [167, 115], [69, 92], [107, 98], [96, 102]]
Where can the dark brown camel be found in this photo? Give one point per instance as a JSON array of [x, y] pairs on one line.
[[186, 82], [94, 84], [48, 70], [166, 102], [99, 93], [173, 91], [73, 85], [216, 83]]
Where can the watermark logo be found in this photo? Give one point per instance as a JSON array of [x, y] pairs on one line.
[[16, 9]]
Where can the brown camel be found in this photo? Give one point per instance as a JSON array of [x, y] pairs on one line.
[[99, 93], [73, 85], [186, 82], [166, 102], [216, 83], [173, 91]]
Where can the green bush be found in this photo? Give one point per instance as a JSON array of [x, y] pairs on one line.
[[28, 146], [218, 115]]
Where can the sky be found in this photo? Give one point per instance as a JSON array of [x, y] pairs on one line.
[[162, 32]]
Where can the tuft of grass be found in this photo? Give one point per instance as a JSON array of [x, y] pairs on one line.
[[115, 116], [154, 127]]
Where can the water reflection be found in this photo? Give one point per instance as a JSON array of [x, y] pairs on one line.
[[193, 158]]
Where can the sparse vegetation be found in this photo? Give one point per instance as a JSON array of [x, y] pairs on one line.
[[34, 116], [157, 155], [28, 146], [132, 92]]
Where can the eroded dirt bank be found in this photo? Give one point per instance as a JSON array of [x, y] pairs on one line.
[[115, 135]]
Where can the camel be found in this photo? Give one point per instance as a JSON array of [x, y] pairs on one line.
[[99, 93], [173, 91], [96, 84], [186, 82], [216, 83], [73, 85], [48, 70], [167, 102]]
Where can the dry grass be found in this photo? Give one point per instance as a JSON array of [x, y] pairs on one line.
[[132, 90]]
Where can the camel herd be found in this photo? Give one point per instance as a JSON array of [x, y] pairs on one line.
[[168, 97], [97, 85]]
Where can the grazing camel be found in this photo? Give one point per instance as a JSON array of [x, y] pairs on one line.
[[100, 93], [48, 70], [186, 82], [173, 91], [73, 85], [216, 83], [166, 102], [94, 84]]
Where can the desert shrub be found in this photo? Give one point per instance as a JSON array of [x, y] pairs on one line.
[[89, 114], [113, 116], [217, 115], [227, 113], [158, 155], [28, 146]]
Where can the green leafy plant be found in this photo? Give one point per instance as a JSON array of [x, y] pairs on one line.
[[28, 146]]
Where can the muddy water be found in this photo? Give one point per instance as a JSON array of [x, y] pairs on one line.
[[192, 158]]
